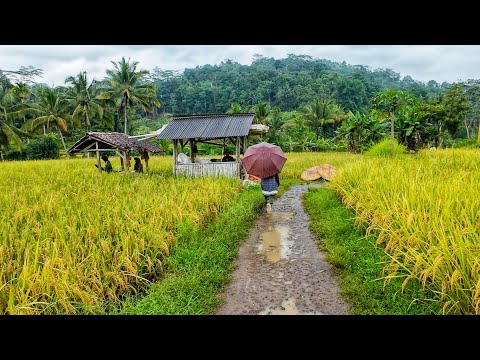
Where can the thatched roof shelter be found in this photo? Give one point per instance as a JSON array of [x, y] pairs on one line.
[[113, 141]]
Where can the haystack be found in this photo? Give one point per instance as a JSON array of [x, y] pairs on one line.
[[325, 171]]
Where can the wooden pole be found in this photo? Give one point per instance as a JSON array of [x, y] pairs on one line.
[[146, 157], [174, 157], [192, 159], [237, 155], [123, 158], [98, 158]]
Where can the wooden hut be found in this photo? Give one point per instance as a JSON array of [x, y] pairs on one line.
[[113, 141], [213, 129]]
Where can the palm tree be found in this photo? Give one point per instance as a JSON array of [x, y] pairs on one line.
[[49, 108], [127, 86], [319, 113], [262, 111], [22, 91], [275, 123], [82, 98], [9, 134], [235, 108]]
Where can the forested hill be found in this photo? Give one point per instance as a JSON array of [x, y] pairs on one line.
[[288, 83]]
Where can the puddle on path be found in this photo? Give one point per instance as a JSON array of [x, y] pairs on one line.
[[275, 243], [280, 216], [288, 308]]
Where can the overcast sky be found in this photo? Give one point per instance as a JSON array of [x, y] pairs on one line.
[[449, 63]]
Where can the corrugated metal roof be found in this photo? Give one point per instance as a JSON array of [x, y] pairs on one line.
[[208, 126], [113, 140]]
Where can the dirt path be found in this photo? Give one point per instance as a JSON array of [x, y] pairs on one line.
[[279, 268]]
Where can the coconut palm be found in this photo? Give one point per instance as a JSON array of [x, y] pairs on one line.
[[262, 110], [127, 86], [320, 113], [9, 134], [50, 107], [82, 98], [275, 123]]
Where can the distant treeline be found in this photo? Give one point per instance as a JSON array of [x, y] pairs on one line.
[[288, 83]]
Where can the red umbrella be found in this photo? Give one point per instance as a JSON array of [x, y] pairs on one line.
[[263, 160]]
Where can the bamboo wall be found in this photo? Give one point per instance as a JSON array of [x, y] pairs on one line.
[[227, 169]]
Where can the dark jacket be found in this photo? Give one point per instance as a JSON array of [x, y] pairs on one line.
[[271, 183], [108, 166], [227, 158]]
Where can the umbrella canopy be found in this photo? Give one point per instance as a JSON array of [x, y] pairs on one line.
[[263, 160]]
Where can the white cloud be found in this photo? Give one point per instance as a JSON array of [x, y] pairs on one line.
[[423, 62]]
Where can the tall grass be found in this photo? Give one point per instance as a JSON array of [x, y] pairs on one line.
[[424, 209], [72, 239]]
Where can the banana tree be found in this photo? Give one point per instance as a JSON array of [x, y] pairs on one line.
[[389, 102]]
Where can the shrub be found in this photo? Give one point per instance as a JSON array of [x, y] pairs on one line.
[[45, 147], [383, 148], [465, 143], [15, 155]]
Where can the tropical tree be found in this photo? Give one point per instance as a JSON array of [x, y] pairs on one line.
[[275, 123], [81, 97], [361, 131], [129, 87], [21, 90], [389, 102], [50, 107], [262, 110], [235, 108], [320, 113], [456, 106], [9, 134]]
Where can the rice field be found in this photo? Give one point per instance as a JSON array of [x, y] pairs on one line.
[[425, 211], [73, 241]]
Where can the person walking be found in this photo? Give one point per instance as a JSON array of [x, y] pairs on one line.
[[269, 187]]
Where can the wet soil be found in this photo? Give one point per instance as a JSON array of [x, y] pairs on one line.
[[280, 270]]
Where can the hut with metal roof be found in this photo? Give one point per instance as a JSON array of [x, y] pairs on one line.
[[113, 141], [213, 129]]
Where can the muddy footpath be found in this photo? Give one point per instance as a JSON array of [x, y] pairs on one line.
[[280, 270]]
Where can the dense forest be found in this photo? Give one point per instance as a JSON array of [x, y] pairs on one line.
[[289, 84], [309, 105]]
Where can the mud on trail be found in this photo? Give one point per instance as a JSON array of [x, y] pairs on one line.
[[280, 269]]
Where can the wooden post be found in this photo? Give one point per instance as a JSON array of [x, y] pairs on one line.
[[174, 157], [237, 155], [145, 157], [98, 158], [237, 148], [122, 158], [127, 161], [192, 159]]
